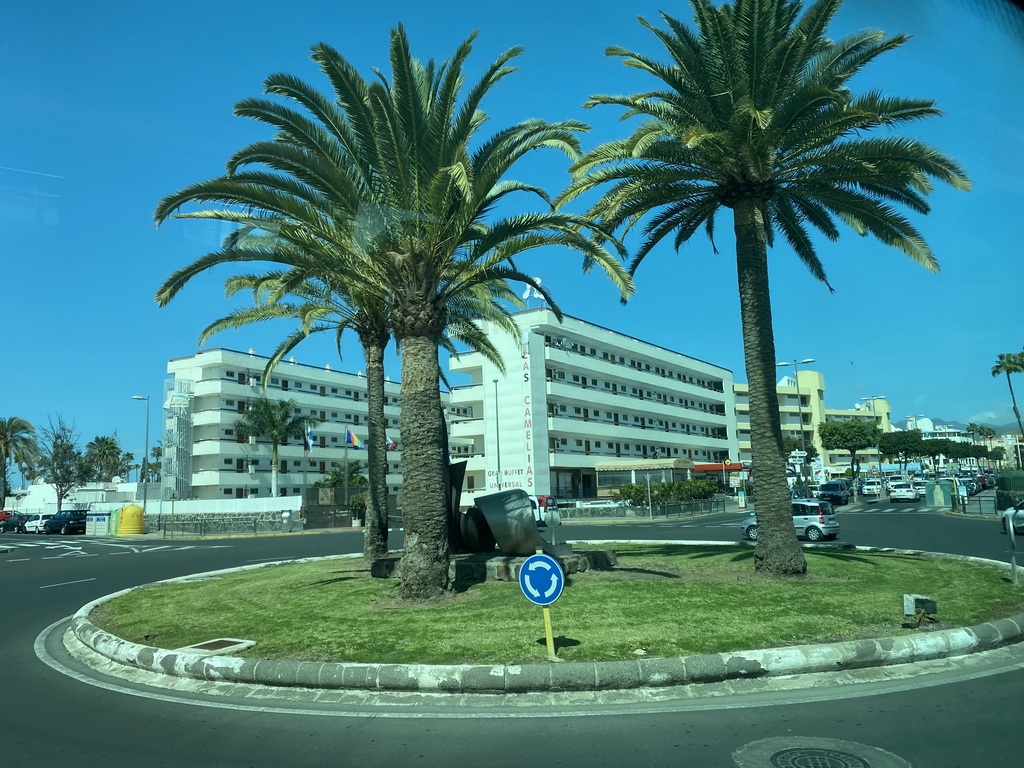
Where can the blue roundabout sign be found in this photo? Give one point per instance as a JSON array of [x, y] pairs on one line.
[[541, 579]]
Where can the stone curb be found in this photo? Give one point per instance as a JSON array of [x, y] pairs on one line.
[[547, 677]]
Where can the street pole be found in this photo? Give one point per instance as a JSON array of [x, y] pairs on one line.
[[145, 457], [650, 506]]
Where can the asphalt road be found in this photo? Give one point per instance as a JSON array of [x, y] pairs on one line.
[[967, 717]]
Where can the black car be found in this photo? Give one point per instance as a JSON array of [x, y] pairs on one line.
[[834, 492], [69, 521], [14, 524]]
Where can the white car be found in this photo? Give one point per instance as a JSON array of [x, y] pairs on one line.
[[902, 492], [871, 488], [35, 523]]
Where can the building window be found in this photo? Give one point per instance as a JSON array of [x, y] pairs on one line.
[[579, 443], [275, 381], [229, 374], [227, 491], [228, 462]]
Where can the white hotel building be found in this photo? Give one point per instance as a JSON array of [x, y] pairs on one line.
[[575, 395], [205, 458]]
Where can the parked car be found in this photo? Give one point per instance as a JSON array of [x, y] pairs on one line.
[[834, 492], [871, 488], [814, 520], [66, 522], [902, 492], [34, 524], [14, 524], [1018, 519]]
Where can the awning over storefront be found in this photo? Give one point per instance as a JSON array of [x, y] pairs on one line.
[[623, 464], [735, 466]]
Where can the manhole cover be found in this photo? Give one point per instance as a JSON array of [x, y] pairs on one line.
[[793, 751], [816, 758]]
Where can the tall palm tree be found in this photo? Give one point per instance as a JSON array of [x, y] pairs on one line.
[[754, 113], [391, 173], [17, 445], [1011, 362], [277, 421]]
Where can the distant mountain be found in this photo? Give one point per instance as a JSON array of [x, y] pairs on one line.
[[1005, 429]]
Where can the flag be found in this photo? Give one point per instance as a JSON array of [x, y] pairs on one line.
[[351, 439], [309, 439], [390, 444]]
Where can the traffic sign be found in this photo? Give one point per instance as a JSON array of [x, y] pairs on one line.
[[796, 460], [798, 454], [541, 579]]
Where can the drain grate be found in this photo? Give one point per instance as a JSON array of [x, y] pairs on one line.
[[221, 645], [810, 757]]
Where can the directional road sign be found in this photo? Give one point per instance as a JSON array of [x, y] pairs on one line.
[[798, 454], [541, 579]]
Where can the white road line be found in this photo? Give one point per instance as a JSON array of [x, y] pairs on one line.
[[154, 549], [20, 560], [65, 583]]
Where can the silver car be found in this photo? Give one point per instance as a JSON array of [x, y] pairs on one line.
[[813, 519]]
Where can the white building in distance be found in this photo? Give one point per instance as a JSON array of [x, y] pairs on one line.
[[205, 458], [574, 395]]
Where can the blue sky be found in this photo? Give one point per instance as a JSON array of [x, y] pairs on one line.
[[113, 105]]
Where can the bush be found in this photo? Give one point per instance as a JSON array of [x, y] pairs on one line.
[[635, 494]]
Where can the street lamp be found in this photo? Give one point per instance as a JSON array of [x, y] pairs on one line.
[[145, 456], [497, 431], [874, 412], [800, 404]]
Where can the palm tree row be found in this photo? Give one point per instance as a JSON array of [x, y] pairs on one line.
[[382, 195], [378, 205]]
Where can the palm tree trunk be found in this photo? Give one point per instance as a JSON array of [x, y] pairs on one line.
[[1017, 414], [424, 566], [375, 534], [777, 551], [273, 471]]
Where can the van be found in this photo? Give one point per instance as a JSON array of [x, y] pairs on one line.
[[545, 510]]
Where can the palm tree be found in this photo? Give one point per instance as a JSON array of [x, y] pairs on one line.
[[391, 175], [277, 421], [1011, 362], [104, 453], [754, 113], [17, 445]]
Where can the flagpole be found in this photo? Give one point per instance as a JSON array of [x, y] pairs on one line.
[[346, 473]]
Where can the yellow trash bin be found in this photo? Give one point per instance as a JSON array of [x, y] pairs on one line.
[[131, 520]]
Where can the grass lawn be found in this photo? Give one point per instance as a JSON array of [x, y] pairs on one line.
[[661, 601]]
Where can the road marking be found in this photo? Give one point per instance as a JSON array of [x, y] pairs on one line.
[[20, 560], [65, 583]]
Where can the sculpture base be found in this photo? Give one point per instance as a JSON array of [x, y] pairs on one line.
[[496, 566]]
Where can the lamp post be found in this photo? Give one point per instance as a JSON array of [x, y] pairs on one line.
[[497, 431], [799, 404], [874, 412], [145, 456]]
